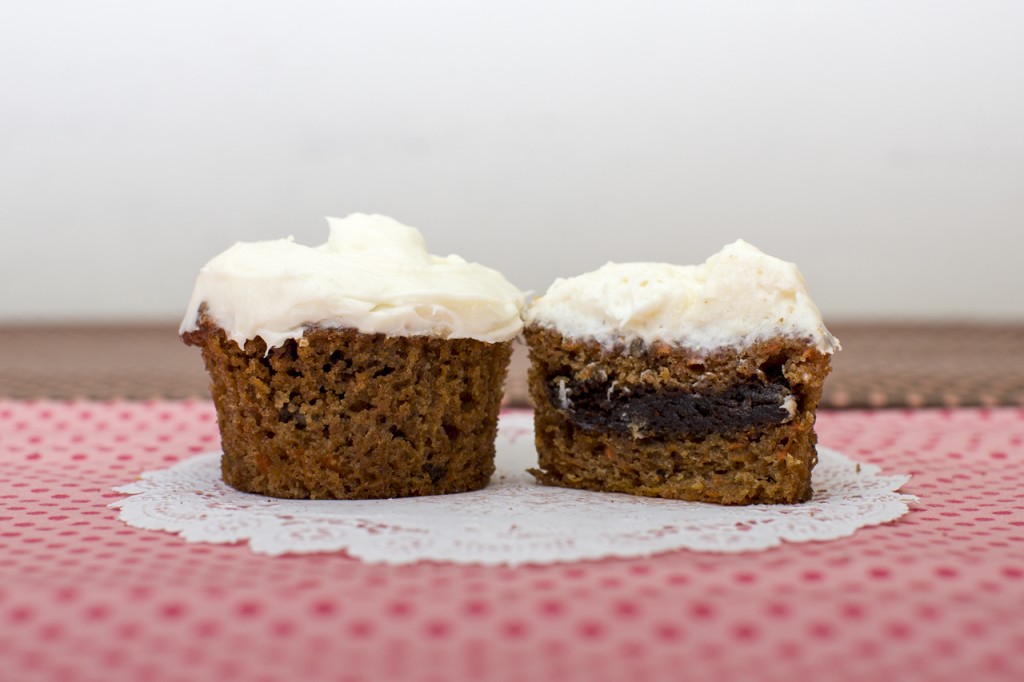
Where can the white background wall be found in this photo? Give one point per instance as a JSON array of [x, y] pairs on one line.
[[880, 145]]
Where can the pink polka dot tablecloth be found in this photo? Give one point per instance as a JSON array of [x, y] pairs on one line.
[[938, 595]]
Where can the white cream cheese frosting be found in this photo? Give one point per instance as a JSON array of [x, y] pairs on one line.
[[374, 275], [738, 296]]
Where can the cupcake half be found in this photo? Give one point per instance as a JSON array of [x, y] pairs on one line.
[[687, 382], [362, 368]]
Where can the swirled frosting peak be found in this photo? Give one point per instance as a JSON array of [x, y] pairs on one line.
[[738, 296], [374, 275]]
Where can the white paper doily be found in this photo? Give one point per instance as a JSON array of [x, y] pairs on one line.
[[513, 521]]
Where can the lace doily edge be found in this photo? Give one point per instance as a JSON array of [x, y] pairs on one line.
[[372, 552]]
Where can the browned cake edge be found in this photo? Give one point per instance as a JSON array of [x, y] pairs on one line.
[[763, 462], [340, 414]]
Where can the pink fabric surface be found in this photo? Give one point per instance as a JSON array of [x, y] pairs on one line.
[[938, 595]]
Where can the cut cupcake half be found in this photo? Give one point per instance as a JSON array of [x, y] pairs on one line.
[[688, 382]]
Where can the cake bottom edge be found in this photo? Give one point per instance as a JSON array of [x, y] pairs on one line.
[[768, 465]]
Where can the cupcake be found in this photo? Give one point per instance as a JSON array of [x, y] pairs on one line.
[[361, 368], [687, 382]]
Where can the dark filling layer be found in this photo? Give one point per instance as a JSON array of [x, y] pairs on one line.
[[648, 413]]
